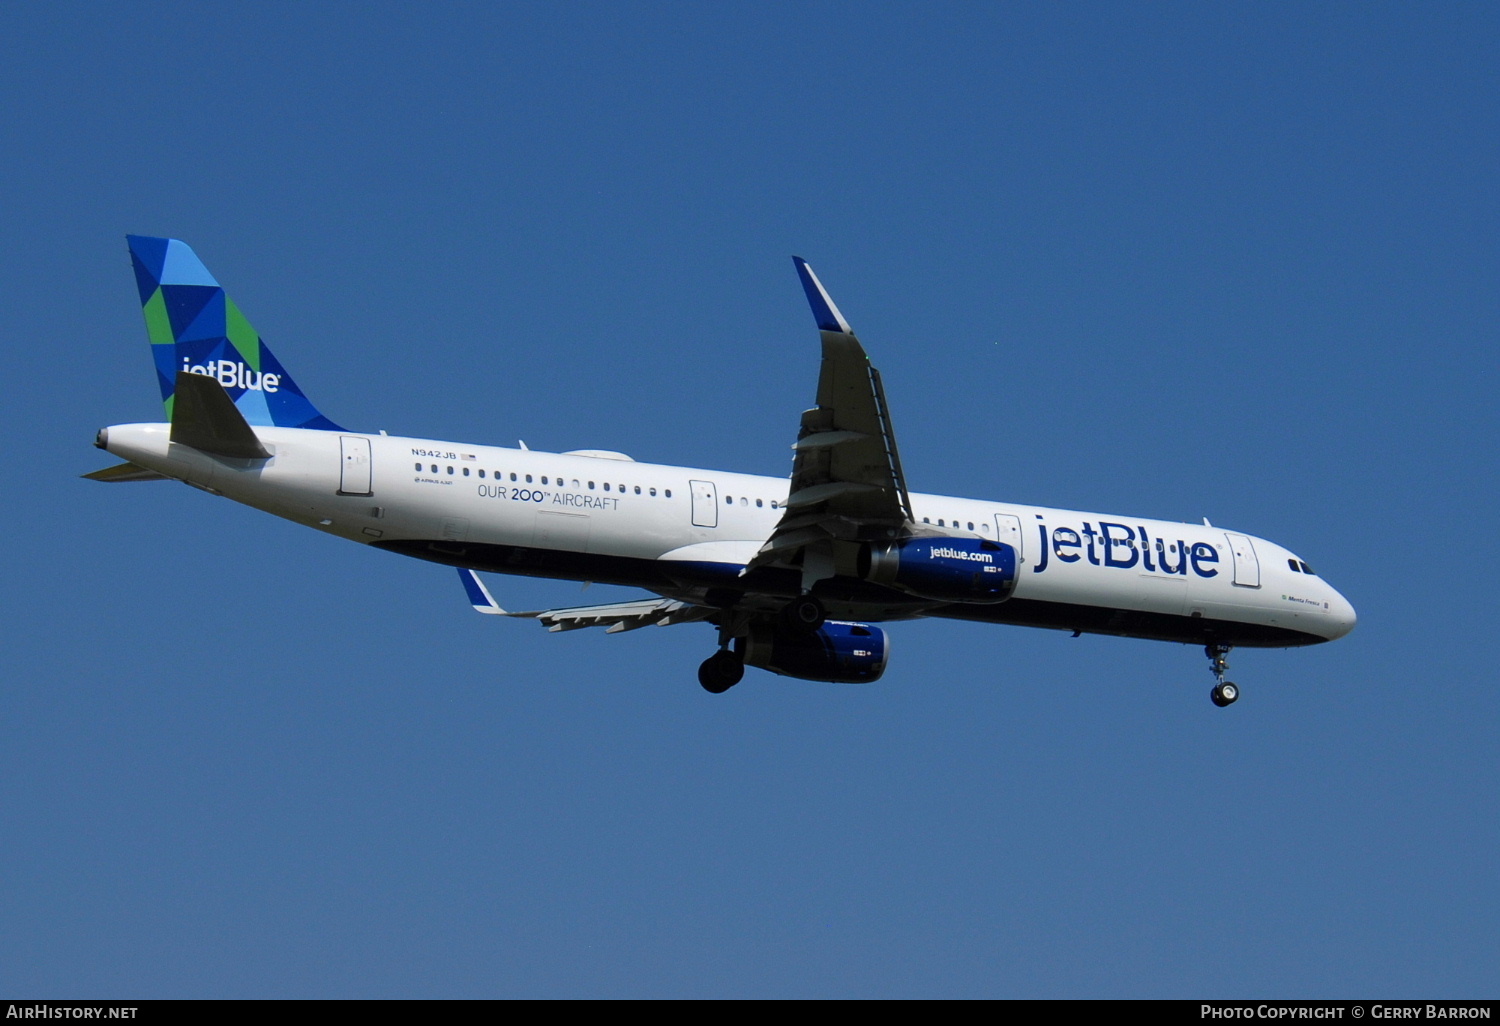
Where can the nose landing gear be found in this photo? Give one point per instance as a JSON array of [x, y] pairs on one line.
[[1224, 692]]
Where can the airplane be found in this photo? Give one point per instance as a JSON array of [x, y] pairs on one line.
[[793, 573]]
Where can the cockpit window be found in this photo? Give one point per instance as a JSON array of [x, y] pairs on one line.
[[1307, 569], [1293, 564]]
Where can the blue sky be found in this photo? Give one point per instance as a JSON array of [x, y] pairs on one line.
[[1169, 260]]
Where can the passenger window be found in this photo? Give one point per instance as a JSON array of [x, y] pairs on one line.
[[637, 489], [544, 479], [759, 503], [653, 493], [591, 485], [744, 501], [466, 472], [773, 504], [606, 486], [450, 471], [667, 493], [729, 500], [512, 475], [434, 468], [481, 472], [926, 521], [971, 525], [528, 479], [419, 468]]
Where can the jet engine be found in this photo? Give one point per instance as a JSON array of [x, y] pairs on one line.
[[943, 569], [838, 652]]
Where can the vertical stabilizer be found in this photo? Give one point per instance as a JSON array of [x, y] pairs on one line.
[[197, 329]]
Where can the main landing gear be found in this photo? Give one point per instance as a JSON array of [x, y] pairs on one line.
[[721, 671], [1224, 692]]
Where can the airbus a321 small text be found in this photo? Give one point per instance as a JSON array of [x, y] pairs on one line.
[[793, 574]]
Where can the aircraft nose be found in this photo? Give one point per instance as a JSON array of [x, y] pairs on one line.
[[1341, 616]]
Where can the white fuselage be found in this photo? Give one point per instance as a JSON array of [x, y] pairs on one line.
[[684, 531]]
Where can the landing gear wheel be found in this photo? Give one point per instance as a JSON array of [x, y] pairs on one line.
[[1224, 694], [804, 614], [720, 672]]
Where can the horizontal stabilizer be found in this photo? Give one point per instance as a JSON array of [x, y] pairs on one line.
[[204, 417], [125, 472]]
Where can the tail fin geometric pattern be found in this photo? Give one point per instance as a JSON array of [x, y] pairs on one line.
[[195, 327]]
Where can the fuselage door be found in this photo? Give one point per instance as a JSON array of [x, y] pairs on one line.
[[354, 474], [1008, 532], [1246, 565], [705, 504]]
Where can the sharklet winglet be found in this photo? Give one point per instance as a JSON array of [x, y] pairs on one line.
[[479, 596], [824, 311]]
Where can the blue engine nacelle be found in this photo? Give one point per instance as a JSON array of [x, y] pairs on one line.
[[839, 652], [944, 569]]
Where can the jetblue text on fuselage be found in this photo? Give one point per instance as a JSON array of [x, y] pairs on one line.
[[1122, 547]]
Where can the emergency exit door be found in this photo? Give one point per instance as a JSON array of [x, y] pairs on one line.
[[705, 504], [1008, 531]]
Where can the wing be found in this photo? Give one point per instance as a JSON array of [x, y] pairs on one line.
[[847, 484], [614, 616]]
